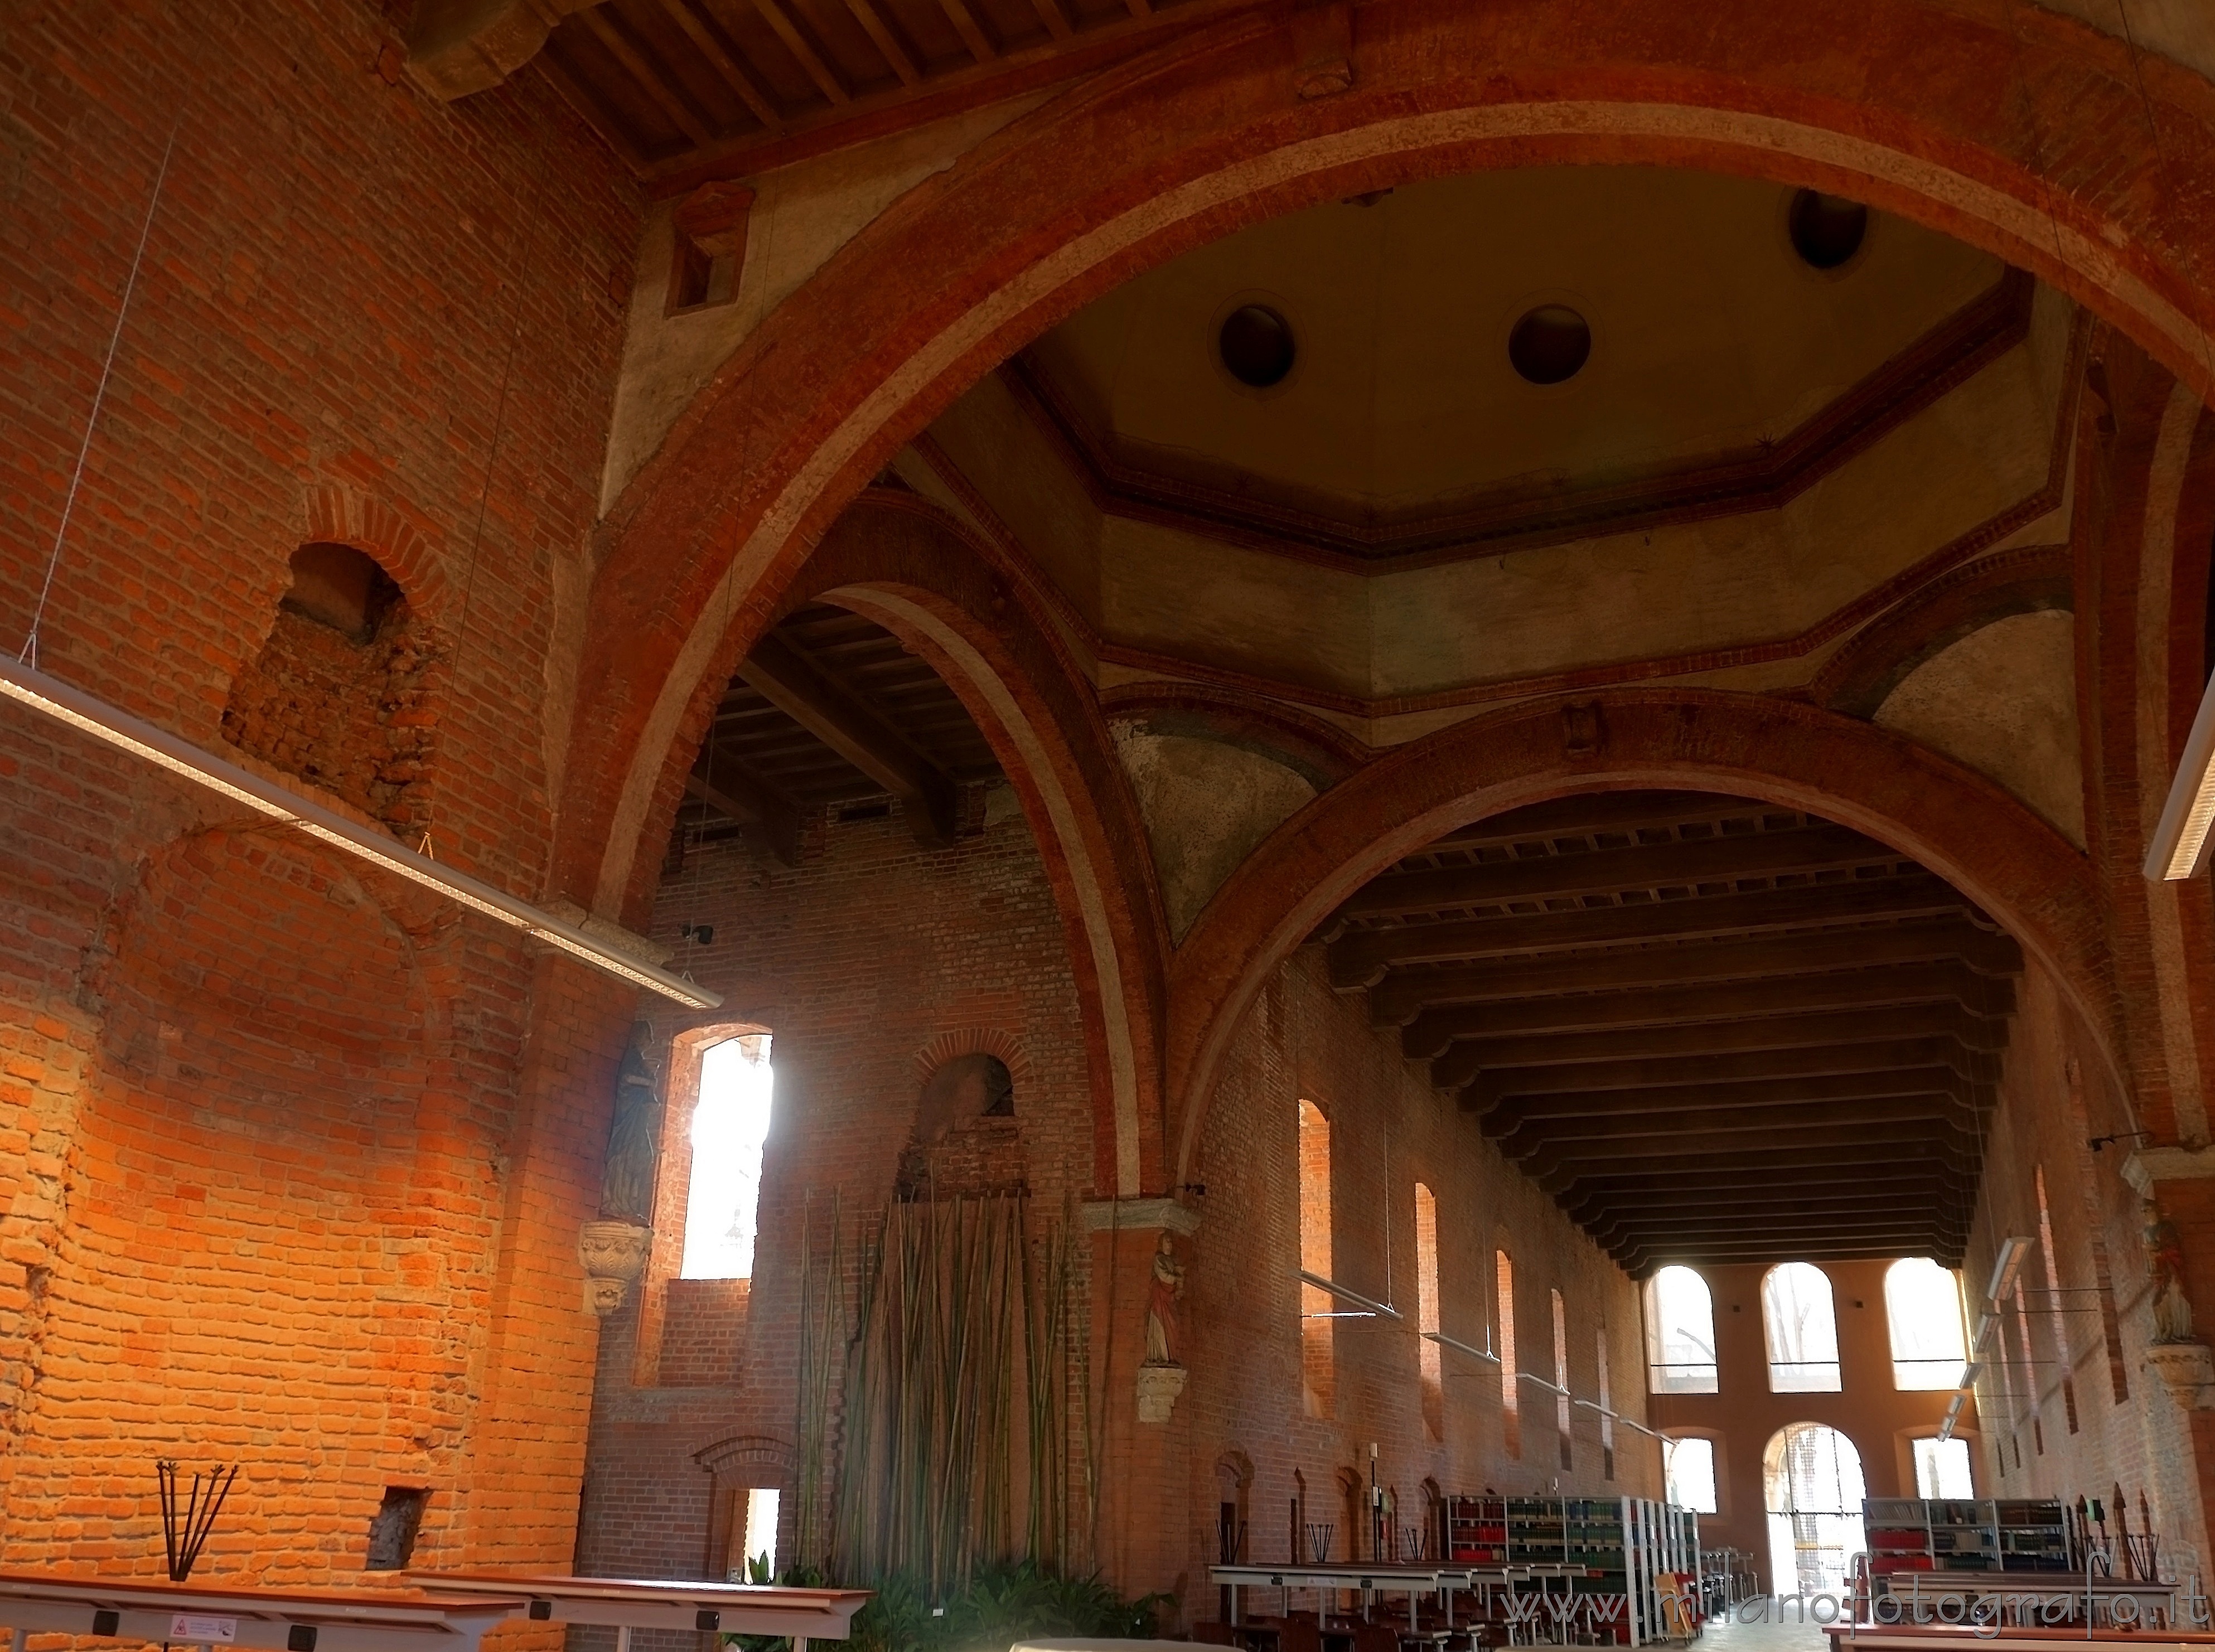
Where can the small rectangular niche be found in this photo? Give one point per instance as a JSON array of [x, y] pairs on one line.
[[709, 228], [392, 1533]]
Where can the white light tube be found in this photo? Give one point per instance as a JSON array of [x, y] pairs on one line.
[[1953, 1414], [2005, 1266], [1459, 1346], [53, 698], [2179, 846], [1346, 1295], [1972, 1374]]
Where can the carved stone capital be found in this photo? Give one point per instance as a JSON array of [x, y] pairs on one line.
[[2187, 1371], [1158, 1388]]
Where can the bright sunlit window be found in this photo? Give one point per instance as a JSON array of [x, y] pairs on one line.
[[1942, 1469], [1690, 1466], [1801, 1330], [729, 1127], [1923, 1303], [1680, 1333]]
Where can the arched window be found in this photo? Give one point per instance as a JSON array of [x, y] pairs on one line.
[[1561, 1419], [1690, 1466], [1511, 1397], [1801, 1330], [1812, 1478], [1318, 1329], [1680, 1333], [730, 1127], [1922, 1307], [1430, 1366]]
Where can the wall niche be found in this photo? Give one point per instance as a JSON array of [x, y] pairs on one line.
[[341, 693], [967, 1142]]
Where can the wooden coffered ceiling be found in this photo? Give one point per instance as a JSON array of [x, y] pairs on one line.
[[1714, 1029], [830, 711], [686, 90]]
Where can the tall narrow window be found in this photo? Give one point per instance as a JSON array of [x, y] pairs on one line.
[[1562, 1423], [1801, 1330], [2029, 1377], [1688, 1466], [1923, 1309], [1426, 1311], [1680, 1333], [2056, 1320], [1511, 1400], [1318, 1329], [1606, 1407], [1942, 1469], [729, 1129]]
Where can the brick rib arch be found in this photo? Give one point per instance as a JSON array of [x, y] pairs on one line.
[[898, 560], [1958, 823], [1982, 124]]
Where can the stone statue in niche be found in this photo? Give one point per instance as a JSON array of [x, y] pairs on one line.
[[2164, 1251], [633, 1138], [613, 1249], [1162, 1305]]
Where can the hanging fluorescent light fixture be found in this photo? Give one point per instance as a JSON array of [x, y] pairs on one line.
[[2179, 847], [2005, 1266], [1459, 1346], [1345, 1296], [1952, 1415], [53, 698]]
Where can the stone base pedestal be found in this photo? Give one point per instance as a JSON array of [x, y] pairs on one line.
[[1158, 1388], [613, 1254], [2187, 1371]]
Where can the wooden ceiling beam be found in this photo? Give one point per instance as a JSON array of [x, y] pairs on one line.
[[1581, 1138], [1405, 993], [803, 691], [1755, 1167], [1579, 1109], [1613, 872], [723, 64], [1495, 1086], [1949, 1222], [803, 52], [1430, 1033], [750, 801], [981, 49], [1719, 1157], [1612, 814], [651, 79], [1591, 1203], [1466, 1061], [1359, 958], [886, 41]]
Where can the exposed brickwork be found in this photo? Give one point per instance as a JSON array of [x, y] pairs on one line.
[[297, 1157], [351, 717]]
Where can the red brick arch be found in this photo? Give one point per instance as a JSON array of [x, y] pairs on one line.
[[899, 561], [1959, 825], [2018, 130]]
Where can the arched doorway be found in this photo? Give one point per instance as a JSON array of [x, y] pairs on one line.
[[1811, 1485]]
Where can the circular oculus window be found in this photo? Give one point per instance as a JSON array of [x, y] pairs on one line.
[[1256, 346], [1826, 230], [1551, 345]]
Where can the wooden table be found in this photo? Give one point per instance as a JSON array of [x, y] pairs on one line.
[[236, 1615], [628, 1603]]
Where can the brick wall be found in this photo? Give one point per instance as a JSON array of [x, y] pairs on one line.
[[870, 965], [859, 962], [297, 1154]]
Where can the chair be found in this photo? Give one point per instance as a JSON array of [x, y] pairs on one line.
[[1214, 1635], [1301, 1633]]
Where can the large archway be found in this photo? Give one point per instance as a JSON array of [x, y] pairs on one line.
[[901, 563], [1956, 823], [1214, 133]]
